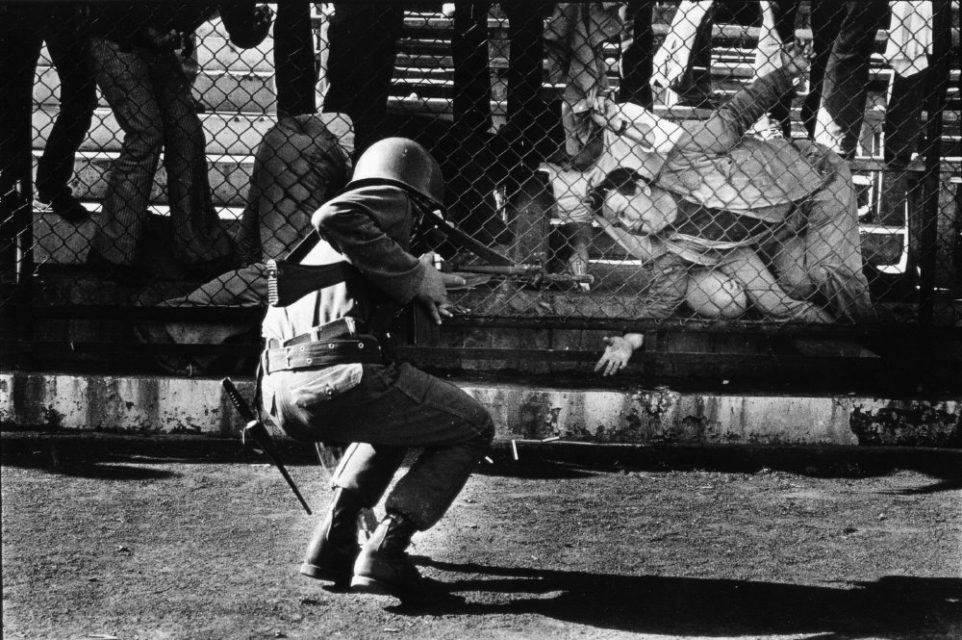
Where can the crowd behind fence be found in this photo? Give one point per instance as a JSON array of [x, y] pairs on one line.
[[710, 164]]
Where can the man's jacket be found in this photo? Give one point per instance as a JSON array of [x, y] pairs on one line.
[[712, 162], [137, 24]]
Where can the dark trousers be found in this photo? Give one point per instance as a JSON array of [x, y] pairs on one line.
[[529, 119], [295, 64], [151, 98], [23, 30], [637, 54], [843, 41], [363, 45]]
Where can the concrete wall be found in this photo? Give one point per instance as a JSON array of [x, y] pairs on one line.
[[153, 405]]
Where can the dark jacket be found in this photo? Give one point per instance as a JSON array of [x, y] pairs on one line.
[[145, 25]]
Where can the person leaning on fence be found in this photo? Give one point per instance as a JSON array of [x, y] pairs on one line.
[[705, 194], [137, 69], [298, 165], [328, 375]]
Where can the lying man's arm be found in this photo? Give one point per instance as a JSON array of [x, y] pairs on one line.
[[618, 351], [728, 124], [643, 247]]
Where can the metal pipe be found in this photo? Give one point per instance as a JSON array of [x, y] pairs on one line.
[[928, 239]]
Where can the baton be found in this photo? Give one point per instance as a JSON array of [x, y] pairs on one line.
[[256, 431]]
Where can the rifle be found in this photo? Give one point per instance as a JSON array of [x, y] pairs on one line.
[[536, 273], [288, 281], [256, 431]]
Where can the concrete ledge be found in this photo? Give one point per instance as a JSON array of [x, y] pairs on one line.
[[158, 405]]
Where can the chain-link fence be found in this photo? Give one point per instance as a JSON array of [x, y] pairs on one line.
[[775, 165]]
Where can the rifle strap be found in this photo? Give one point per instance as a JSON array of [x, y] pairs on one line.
[[302, 248]]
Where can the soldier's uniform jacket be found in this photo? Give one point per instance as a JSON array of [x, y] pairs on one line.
[[370, 227]]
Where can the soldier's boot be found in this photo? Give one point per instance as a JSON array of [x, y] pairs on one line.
[[383, 566], [333, 547]]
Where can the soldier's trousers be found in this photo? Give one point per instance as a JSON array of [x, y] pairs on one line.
[[392, 408]]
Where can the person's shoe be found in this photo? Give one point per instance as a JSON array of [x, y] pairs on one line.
[[334, 564], [383, 567], [66, 206], [107, 270], [391, 573], [333, 547]]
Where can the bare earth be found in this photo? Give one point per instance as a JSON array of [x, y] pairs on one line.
[[124, 543]]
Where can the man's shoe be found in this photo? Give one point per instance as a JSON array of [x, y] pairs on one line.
[[66, 206], [333, 564], [333, 547], [392, 573]]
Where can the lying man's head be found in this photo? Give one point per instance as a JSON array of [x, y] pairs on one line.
[[625, 198]]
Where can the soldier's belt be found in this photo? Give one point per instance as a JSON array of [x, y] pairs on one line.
[[346, 328], [315, 355]]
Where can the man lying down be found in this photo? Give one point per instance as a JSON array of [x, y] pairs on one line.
[[720, 218]]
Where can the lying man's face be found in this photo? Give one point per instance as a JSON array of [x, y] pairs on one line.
[[640, 208]]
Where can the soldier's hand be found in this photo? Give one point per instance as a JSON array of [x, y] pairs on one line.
[[618, 351], [433, 294]]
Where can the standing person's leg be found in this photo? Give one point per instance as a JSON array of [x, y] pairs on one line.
[[125, 78], [20, 44], [637, 54], [69, 46], [903, 128], [363, 45], [294, 59], [826, 20], [472, 82], [528, 113], [199, 237], [842, 109], [778, 30]]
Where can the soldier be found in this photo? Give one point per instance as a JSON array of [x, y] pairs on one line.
[[329, 375]]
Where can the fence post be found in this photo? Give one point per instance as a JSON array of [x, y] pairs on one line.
[[941, 44]]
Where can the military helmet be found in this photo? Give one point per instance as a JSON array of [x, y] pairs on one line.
[[403, 162]]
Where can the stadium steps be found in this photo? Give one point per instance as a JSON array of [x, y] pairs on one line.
[[236, 88]]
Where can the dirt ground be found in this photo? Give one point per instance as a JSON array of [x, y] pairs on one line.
[[133, 539]]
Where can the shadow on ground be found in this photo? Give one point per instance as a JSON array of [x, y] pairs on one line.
[[893, 607], [103, 454]]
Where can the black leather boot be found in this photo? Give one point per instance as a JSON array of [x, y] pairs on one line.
[[383, 566], [333, 548]]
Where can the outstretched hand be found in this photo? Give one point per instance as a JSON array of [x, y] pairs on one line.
[[618, 351], [796, 58]]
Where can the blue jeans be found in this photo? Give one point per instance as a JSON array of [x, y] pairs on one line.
[[394, 407], [151, 98]]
